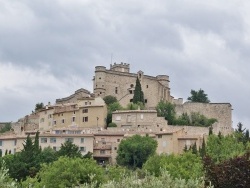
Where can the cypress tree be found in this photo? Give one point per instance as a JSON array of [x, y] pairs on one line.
[[138, 94], [210, 130], [194, 148], [203, 148]]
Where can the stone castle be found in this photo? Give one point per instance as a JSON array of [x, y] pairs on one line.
[[81, 117], [119, 82]]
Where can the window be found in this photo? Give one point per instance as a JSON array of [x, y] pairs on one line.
[[159, 136], [131, 91], [54, 122], [1, 143], [82, 140], [89, 103], [74, 112], [15, 142], [115, 148], [58, 132], [43, 140], [85, 119], [131, 100], [69, 140], [100, 78], [50, 116], [86, 103], [147, 86], [54, 148], [52, 140], [116, 90], [146, 100], [61, 114], [63, 121], [102, 152], [118, 140], [84, 110], [132, 85], [82, 149], [73, 119]]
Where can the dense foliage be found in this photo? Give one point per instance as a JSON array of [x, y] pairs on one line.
[[67, 172], [198, 96], [185, 166], [134, 180], [7, 127], [110, 99], [5, 180], [221, 148], [111, 108], [234, 172], [69, 149], [134, 151]]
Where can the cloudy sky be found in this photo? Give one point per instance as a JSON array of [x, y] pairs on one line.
[[49, 49]]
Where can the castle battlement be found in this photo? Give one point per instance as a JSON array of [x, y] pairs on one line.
[[121, 67]]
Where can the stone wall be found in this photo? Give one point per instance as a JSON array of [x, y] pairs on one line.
[[73, 98], [221, 111]]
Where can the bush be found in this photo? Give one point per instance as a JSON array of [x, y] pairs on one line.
[[230, 173], [112, 125]]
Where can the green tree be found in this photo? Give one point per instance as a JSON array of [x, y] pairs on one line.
[[224, 147], [230, 173], [47, 155], [67, 172], [198, 96], [69, 149], [138, 93], [167, 110], [111, 108], [5, 180], [202, 150], [194, 148], [7, 127], [135, 150], [110, 99], [185, 166], [39, 106]]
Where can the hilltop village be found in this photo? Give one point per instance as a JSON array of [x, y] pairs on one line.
[[81, 117]]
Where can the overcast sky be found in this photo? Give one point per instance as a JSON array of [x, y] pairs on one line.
[[49, 49]]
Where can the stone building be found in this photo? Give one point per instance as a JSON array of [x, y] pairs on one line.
[[119, 82], [85, 112]]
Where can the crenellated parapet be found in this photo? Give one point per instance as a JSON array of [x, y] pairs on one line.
[[121, 67]]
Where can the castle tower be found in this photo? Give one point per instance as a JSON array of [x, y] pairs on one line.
[[99, 81], [122, 67]]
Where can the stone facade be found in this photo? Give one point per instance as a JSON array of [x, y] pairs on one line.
[[137, 118], [119, 82], [220, 111], [86, 112]]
